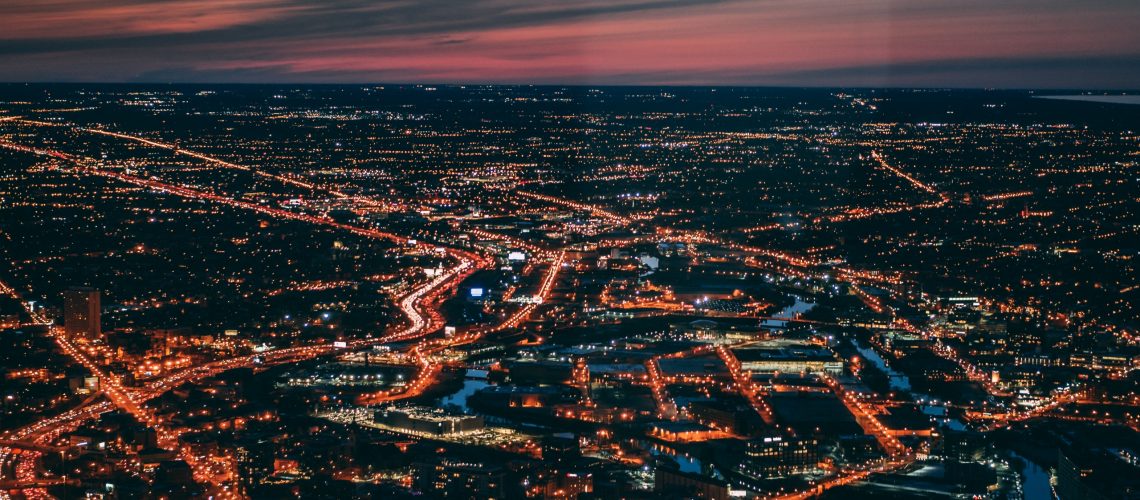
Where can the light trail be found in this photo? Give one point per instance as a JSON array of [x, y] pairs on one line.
[[666, 406], [745, 385], [525, 245], [37, 317], [864, 213], [177, 149], [429, 369], [867, 419], [544, 290], [694, 237], [1007, 196], [422, 323], [424, 319], [594, 209], [878, 157], [186, 192]]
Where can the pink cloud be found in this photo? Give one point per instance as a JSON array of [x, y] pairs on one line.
[[46, 19], [733, 37], [644, 41]]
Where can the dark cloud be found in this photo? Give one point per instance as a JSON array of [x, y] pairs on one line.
[[307, 19], [759, 42], [1113, 72]]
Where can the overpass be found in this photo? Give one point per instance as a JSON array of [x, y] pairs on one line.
[[36, 483], [25, 445]]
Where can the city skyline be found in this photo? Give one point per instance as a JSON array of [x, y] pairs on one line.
[[417, 291], [1051, 44], [569, 249]]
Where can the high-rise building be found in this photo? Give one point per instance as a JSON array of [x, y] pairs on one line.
[[453, 479], [779, 456], [81, 313]]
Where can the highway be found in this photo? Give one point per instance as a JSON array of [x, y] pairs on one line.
[[226, 164], [429, 368], [418, 307], [593, 209]]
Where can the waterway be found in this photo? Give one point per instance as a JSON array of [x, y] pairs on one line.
[[800, 306], [899, 382], [686, 462], [472, 382], [1035, 480], [1101, 99]]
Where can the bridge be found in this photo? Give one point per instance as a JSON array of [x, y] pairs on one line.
[[11, 484], [25, 445]]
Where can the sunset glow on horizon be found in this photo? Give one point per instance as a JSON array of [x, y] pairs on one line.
[[973, 43]]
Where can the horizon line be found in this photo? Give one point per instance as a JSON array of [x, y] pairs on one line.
[[579, 85]]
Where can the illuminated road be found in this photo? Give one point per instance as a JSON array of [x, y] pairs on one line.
[[882, 162], [422, 322], [666, 407], [177, 149], [866, 417], [37, 317], [593, 209], [745, 385], [545, 288], [418, 306], [864, 213], [428, 368]]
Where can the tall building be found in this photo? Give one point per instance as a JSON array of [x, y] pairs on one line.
[[453, 479], [673, 483], [81, 313], [779, 456]]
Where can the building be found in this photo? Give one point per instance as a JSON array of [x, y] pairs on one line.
[[81, 313], [963, 446], [569, 484], [430, 421], [254, 459], [1095, 474], [677, 484], [540, 372], [453, 479], [729, 416], [1108, 360], [499, 397], [778, 456], [1071, 482], [788, 357], [684, 431]]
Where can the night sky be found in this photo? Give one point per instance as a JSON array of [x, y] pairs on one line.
[[942, 43]]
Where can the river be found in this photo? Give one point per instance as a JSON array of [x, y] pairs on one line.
[[472, 382], [800, 306]]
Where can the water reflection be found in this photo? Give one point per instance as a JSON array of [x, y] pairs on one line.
[[899, 382], [1035, 480], [472, 382], [687, 462], [800, 306]]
